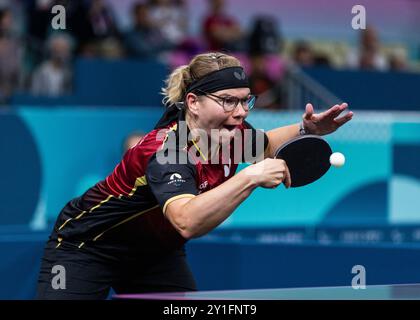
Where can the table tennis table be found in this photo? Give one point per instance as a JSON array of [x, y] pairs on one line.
[[373, 292]]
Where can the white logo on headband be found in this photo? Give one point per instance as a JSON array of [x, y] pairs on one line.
[[239, 76]]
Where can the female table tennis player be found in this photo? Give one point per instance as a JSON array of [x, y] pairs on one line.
[[128, 231]]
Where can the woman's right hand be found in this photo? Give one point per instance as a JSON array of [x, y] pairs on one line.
[[269, 173]]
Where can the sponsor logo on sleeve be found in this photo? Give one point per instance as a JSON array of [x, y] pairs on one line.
[[176, 180]]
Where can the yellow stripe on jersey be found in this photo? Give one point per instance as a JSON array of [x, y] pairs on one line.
[[180, 196], [140, 181], [83, 212], [124, 221]]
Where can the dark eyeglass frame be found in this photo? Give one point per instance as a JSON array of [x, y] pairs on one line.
[[244, 102]]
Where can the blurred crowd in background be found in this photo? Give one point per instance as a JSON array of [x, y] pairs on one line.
[[37, 59]]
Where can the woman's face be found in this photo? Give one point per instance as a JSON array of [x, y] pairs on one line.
[[209, 113]]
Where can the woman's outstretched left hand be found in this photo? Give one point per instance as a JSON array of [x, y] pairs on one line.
[[325, 122]]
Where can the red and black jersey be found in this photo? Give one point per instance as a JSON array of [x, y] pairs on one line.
[[128, 207]]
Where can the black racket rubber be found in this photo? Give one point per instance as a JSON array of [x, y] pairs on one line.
[[307, 157]]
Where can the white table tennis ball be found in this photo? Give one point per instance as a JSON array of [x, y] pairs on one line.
[[337, 159]]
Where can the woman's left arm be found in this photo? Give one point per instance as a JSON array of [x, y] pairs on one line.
[[313, 123]]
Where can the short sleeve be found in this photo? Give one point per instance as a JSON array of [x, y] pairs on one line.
[[255, 143], [170, 182]]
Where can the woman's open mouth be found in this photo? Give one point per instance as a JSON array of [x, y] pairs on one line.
[[230, 127]]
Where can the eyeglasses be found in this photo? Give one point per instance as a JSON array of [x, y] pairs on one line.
[[229, 103]]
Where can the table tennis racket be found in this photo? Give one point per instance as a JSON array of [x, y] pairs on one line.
[[307, 157]]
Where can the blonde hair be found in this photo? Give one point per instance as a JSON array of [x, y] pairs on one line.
[[200, 65]]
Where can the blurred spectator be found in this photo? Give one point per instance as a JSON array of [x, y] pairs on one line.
[[38, 19], [368, 56], [170, 17], [265, 37], [144, 40], [264, 55], [398, 60], [92, 22], [17, 9], [303, 54], [38, 15], [221, 31], [131, 140], [53, 77], [92, 178], [110, 48], [268, 90], [101, 20], [322, 60], [10, 56]]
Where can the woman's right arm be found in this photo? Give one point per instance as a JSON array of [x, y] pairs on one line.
[[193, 217]]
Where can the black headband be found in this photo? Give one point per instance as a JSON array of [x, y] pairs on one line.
[[227, 78]]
